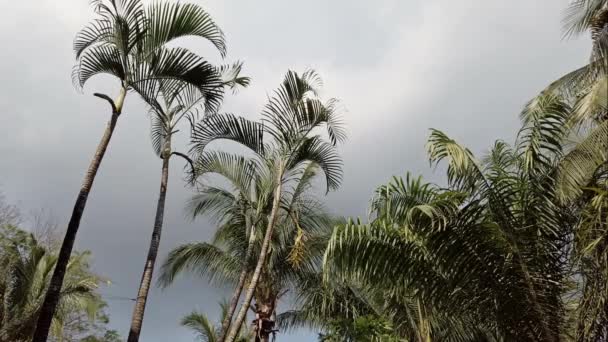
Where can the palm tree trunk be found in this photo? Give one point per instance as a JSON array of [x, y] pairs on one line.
[[52, 295], [240, 318], [239, 288], [146, 278]]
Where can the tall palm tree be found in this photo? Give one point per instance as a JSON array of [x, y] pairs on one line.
[[27, 269], [303, 226], [286, 141], [490, 248], [170, 104], [128, 42]]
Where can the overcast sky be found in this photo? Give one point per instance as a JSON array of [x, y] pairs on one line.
[[399, 66]]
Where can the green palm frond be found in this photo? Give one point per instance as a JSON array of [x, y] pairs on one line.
[[169, 21], [544, 127], [228, 127], [214, 202], [579, 165], [592, 106], [463, 170], [238, 170], [98, 60], [200, 324], [295, 111], [314, 149], [583, 15], [129, 42], [202, 258]]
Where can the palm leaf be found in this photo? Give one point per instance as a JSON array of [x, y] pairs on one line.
[[169, 21], [228, 127], [579, 165], [202, 258]]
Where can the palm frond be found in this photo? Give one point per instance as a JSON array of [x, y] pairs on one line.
[[315, 150], [215, 202], [200, 324], [580, 164], [540, 140], [201, 258], [228, 127], [240, 171], [169, 21], [581, 15]]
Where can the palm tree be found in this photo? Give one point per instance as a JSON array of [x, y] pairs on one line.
[[206, 331], [489, 249], [286, 141], [128, 42], [583, 168], [169, 104], [27, 268], [304, 228]]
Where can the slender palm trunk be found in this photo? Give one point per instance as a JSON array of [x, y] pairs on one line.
[[53, 293], [146, 278], [240, 318], [234, 301]]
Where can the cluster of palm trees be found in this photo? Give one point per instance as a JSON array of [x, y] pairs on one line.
[[513, 248]]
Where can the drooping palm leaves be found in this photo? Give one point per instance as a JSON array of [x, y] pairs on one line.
[[489, 249]]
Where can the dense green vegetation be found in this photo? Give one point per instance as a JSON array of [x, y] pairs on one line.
[[27, 260], [512, 246]]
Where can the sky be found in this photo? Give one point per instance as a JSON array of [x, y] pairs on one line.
[[399, 67]]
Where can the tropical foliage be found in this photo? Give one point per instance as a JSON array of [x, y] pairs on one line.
[[27, 267], [295, 249], [510, 246], [128, 41], [169, 104]]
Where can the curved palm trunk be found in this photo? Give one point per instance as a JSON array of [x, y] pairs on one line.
[[52, 295], [240, 318], [234, 301], [146, 278]]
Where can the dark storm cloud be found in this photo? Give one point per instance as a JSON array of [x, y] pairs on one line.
[[399, 67]]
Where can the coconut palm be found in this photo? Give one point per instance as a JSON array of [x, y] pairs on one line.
[[286, 141], [128, 42], [27, 269], [490, 248], [291, 256], [169, 105]]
